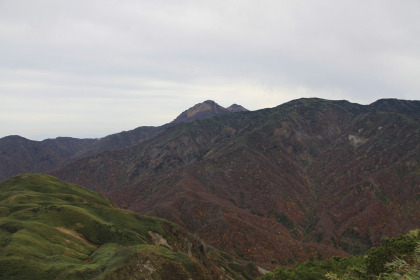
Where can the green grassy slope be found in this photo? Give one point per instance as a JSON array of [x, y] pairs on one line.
[[53, 230]]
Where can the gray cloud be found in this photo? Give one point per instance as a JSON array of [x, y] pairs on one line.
[[122, 64]]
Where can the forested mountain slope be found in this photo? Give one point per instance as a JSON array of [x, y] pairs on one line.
[[310, 178]]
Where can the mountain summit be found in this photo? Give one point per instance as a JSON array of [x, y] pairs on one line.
[[236, 108], [206, 109]]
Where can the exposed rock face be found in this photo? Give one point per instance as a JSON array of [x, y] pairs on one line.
[[308, 179]]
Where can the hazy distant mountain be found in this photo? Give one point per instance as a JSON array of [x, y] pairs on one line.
[[21, 155], [308, 179], [236, 108], [206, 109], [120, 140], [128, 138]]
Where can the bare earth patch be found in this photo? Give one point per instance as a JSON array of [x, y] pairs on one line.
[[76, 235]]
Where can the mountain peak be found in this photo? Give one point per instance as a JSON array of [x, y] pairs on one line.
[[206, 109], [236, 108], [208, 102]]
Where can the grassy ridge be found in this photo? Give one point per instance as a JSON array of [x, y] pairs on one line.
[[53, 230]]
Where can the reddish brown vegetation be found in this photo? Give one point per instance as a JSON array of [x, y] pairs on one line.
[[308, 179]]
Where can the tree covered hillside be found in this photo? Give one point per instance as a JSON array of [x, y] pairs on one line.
[[397, 258]]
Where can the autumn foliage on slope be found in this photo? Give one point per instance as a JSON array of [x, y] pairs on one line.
[[308, 179]]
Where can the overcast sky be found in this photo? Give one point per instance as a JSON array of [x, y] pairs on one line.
[[91, 68]]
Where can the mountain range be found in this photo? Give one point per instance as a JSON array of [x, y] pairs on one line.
[[21, 155], [308, 179]]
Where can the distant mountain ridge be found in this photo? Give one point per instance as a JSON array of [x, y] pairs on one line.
[[309, 178], [236, 108], [206, 109], [21, 155], [128, 138]]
